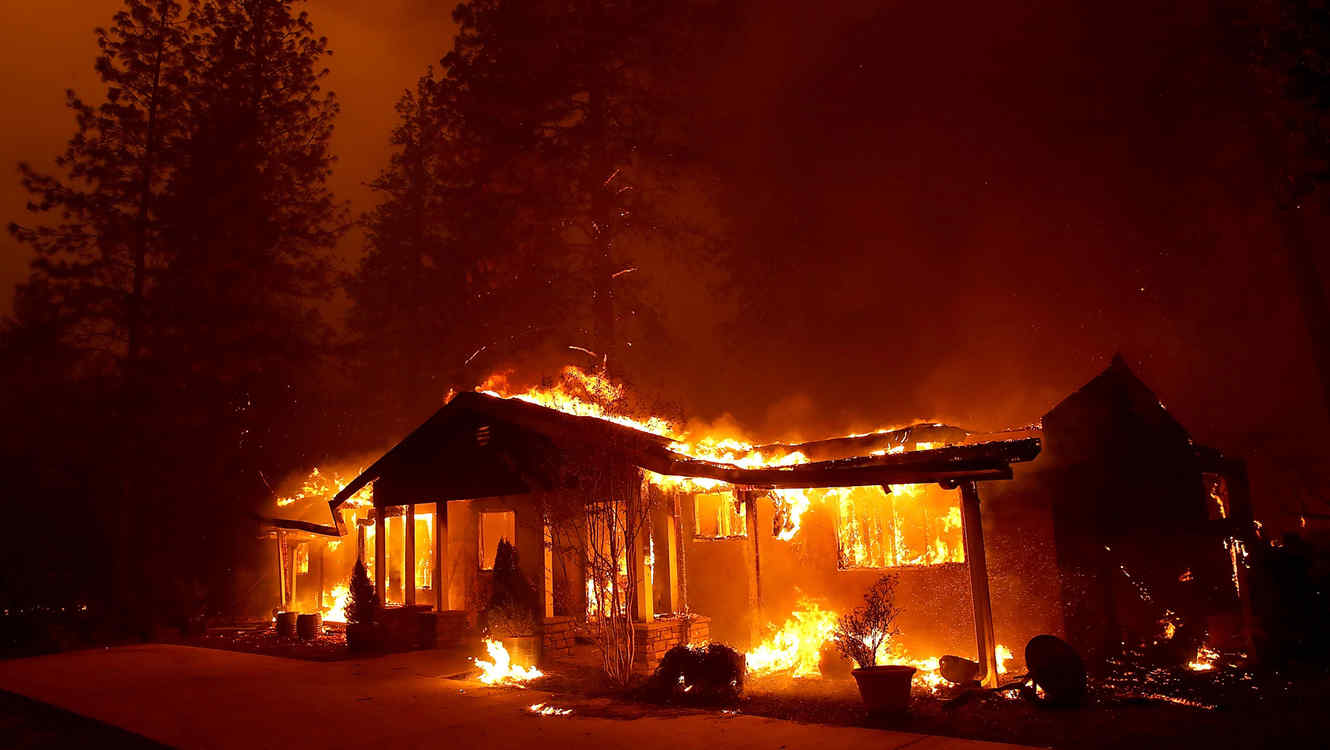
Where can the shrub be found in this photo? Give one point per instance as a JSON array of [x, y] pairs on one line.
[[861, 632], [363, 607], [708, 675], [512, 605]]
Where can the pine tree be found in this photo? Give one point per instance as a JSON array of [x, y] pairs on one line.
[[408, 288], [571, 113], [98, 262]]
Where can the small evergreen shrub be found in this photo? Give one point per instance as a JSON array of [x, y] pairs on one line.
[[708, 675], [511, 610], [363, 607]]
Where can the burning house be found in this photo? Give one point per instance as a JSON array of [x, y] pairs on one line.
[[761, 546]]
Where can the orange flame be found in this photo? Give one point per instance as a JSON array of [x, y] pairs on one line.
[[501, 671]]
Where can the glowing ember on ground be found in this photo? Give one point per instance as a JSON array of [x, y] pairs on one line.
[[1204, 661], [544, 709], [501, 671]]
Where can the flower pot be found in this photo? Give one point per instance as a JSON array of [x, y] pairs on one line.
[[885, 689], [363, 637]]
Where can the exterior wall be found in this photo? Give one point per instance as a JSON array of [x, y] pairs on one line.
[[936, 600], [467, 582]]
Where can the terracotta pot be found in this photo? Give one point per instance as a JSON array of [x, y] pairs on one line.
[[885, 689], [286, 624], [309, 626]]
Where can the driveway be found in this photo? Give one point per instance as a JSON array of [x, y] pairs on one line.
[[203, 698]]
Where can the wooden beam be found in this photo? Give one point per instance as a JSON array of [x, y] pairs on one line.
[[409, 557], [972, 530]]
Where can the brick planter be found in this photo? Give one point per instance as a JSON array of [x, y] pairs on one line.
[[443, 629], [557, 633], [653, 639]]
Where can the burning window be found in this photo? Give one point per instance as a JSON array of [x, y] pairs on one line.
[[718, 515], [607, 559], [493, 527], [302, 557], [913, 525], [1216, 490]]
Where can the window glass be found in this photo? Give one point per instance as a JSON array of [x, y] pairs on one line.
[[493, 527]]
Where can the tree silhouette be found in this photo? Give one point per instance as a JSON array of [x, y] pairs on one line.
[[95, 262]]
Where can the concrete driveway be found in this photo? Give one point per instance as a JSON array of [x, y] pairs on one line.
[[203, 698]]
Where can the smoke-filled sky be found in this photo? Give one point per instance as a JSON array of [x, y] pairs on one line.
[[953, 213]]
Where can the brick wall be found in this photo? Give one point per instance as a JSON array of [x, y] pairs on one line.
[[557, 633], [653, 639]]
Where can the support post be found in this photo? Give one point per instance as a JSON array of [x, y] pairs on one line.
[[972, 530], [440, 582], [681, 547], [637, 557], [409, 557], [666, 569], [756, 620], [323, 563], [281, 569], [380, 555]]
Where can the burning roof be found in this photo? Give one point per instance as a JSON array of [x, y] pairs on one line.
[[455, 447]]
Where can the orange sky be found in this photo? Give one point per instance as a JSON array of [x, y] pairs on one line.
[[379, 49]]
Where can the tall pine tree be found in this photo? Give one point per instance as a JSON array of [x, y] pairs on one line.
[[95, 264]]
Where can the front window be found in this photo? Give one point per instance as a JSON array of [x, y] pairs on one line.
[[718, 515], [916, 524], [493, 527]]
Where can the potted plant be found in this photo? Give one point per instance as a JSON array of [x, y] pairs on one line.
[[362, 612], [859, 636], [510, 615]]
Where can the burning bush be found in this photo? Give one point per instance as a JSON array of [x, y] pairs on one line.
[[710, 675], [861, 632]]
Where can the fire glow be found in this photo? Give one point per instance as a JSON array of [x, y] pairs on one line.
[[797, 647], [501, 671]]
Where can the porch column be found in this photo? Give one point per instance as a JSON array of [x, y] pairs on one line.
[[380, 555], [547, 579], [637, 558], [754, 536], [972, 530], [682, 525], [281, 569], [440, 581], [667, 556], [323, 555], [409, 557]]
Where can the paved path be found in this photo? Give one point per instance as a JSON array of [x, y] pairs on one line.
[[204, 698]]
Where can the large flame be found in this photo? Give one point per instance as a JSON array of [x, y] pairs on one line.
[[341, 595], [796, 648], [501, 671]]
